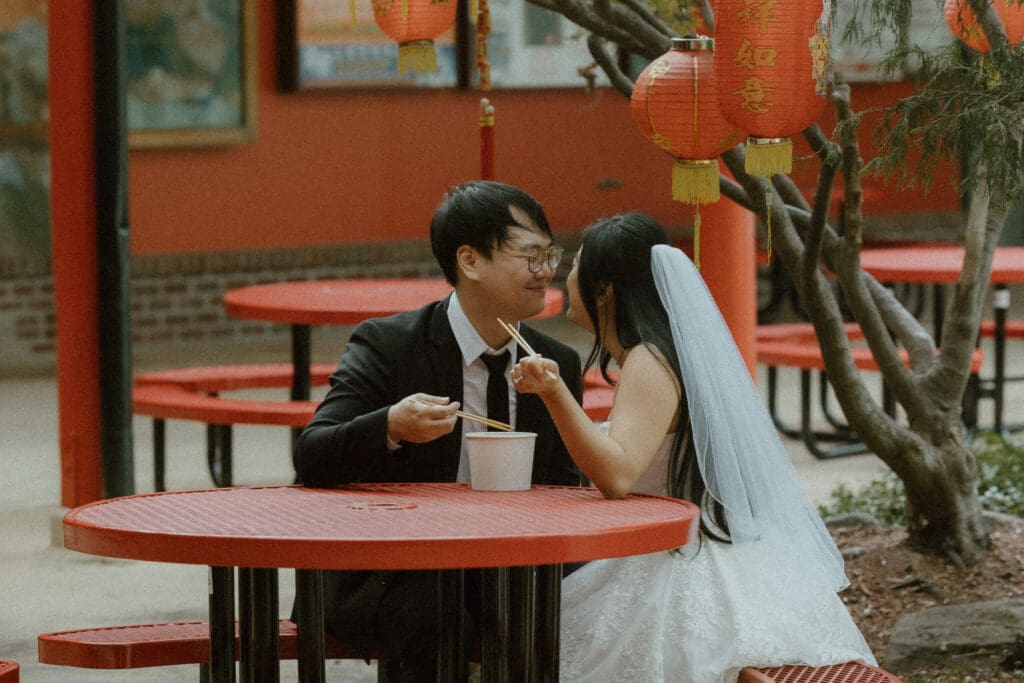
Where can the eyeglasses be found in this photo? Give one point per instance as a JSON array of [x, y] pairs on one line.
[[537, 257]]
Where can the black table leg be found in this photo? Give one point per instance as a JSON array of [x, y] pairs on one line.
[[1001, 303], [264, 653], [245, 636], [301, 360], [494, 636], [549, 605], [309, 613], [452, 659], [222, 625], [523, 616]]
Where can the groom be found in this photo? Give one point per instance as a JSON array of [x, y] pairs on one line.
[[495, 246]]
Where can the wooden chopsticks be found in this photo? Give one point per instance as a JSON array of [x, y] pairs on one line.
[[522, 342], [503, 426]]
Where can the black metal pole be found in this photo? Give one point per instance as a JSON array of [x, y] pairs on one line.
[[113, 262]]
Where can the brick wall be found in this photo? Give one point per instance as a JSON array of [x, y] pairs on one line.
[[176, 306], [176, 299]]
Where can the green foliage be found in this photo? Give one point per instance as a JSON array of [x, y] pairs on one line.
[[965, 107], [1000, 486], [884, 499]]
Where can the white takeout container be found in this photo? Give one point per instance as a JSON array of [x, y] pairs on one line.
[[500, 461]]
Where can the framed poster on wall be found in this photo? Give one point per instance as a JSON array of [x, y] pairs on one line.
[[191, 72], [24, 122], [323, 46]]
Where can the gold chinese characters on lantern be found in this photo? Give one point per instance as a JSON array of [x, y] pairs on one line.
[[675, 105], [771, 63], [414, 24]]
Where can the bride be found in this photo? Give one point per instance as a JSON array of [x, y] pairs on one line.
[[759, 585]]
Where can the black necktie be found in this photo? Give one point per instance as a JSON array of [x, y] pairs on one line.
[[497, 387]]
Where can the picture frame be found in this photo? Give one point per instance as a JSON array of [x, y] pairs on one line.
[[320, 47], [24, 127], [191, 76]]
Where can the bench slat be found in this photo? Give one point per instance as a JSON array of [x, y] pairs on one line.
[[215, 378], [168, 401], [169, 644], [850, 672]]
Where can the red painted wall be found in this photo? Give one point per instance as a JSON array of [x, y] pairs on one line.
[[353, 166]]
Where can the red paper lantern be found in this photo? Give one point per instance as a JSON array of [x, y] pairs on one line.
[[771, 58], [675, 104], [414, 24], [964, 22]]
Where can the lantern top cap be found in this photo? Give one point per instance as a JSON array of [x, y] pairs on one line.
[[693, 43]]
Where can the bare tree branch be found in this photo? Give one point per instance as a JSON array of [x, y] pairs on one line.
[[708, 14], [598, 47], [618, 24], [644, 12]]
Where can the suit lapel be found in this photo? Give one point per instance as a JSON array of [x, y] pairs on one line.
[[446, 361]]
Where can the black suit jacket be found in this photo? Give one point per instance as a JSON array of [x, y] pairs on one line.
[[386, 360]]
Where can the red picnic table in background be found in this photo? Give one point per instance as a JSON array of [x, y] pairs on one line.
[[305, 303], [941, 265]]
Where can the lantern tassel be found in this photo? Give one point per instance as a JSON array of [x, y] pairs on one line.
[[696, 238], [769, 156], [695, 181], [768, 219], [352, 11], [417, 56]]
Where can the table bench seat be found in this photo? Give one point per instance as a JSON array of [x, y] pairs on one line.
[[139, 646], [194, 394], [178, 643], [795, 345], [850, 672], [1014, 329]]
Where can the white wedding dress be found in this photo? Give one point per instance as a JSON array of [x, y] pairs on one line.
[[698, 616]]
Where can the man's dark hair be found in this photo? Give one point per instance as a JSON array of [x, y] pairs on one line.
[[477, 214]]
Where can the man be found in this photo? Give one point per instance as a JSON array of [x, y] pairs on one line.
[[389, 415]]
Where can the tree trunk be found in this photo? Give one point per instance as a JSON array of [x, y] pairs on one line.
[[943, 509]]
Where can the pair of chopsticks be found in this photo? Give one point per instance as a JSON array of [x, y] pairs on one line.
[[522, 342], [503, 426]]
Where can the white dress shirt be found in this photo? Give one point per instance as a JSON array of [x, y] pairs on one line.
[[474, 377]]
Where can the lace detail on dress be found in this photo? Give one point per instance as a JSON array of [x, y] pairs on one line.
[[698, 616]]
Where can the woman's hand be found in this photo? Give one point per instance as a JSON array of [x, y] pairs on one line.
[[536, 375]]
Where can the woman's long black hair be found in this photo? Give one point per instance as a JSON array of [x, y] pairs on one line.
[[616, 251]]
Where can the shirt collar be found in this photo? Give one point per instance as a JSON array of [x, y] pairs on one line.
[[471, 344]]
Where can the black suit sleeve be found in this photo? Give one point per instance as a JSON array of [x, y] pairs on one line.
[[346, 440]]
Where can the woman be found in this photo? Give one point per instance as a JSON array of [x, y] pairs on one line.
[[758, 587]]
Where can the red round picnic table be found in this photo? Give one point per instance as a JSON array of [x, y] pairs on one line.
[[381, 526], [941, 265], [303, 303]]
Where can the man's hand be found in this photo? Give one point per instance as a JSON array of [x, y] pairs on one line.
[[420, 418]]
